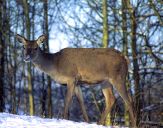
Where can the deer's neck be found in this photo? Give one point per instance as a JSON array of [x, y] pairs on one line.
[[44, 61]]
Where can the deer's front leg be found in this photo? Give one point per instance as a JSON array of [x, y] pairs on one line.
[[79, 94], [68, 98]]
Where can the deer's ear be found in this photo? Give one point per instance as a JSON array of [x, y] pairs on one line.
[[41, 39], [21, 39]]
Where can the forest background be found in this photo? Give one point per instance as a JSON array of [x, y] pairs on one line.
[[134, 27]]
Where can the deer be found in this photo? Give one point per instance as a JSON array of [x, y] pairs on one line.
[[75, 66]]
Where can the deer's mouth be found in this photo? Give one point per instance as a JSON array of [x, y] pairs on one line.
[[27, 58]]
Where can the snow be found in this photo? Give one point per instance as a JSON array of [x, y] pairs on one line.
[[21, 121]]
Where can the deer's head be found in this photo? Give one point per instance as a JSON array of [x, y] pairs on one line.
[[31, 48]]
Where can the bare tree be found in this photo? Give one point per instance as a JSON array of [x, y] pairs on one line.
[[28, 33], [2, 46], [46, 31]]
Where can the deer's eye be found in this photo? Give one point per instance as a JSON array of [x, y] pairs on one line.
[[35, 48], [23, 47]]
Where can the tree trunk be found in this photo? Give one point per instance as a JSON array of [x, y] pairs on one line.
[[105, 42], [105, 38], [136, 67], [2, 39], [47, 48], [125, 52], [30, 88], [135, 60]]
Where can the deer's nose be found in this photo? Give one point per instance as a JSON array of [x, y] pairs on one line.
[[27, 58]]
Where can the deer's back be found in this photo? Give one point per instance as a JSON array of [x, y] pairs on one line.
[[92, 56], [91, 64]]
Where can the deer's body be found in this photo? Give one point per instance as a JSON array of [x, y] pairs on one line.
[[86, 65], [72, 66]]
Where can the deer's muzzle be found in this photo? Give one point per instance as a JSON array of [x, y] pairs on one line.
[[27, 58]]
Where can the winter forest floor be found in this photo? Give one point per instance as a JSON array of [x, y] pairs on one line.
[[22, 121]]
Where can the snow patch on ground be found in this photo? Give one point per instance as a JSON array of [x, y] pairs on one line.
[[21, 121]]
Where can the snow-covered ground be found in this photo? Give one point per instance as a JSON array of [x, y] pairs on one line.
[[21, 121]]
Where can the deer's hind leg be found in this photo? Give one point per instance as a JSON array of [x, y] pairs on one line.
[[109, 102], [119, 84]]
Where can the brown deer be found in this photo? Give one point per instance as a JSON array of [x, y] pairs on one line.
[[73, 66]]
